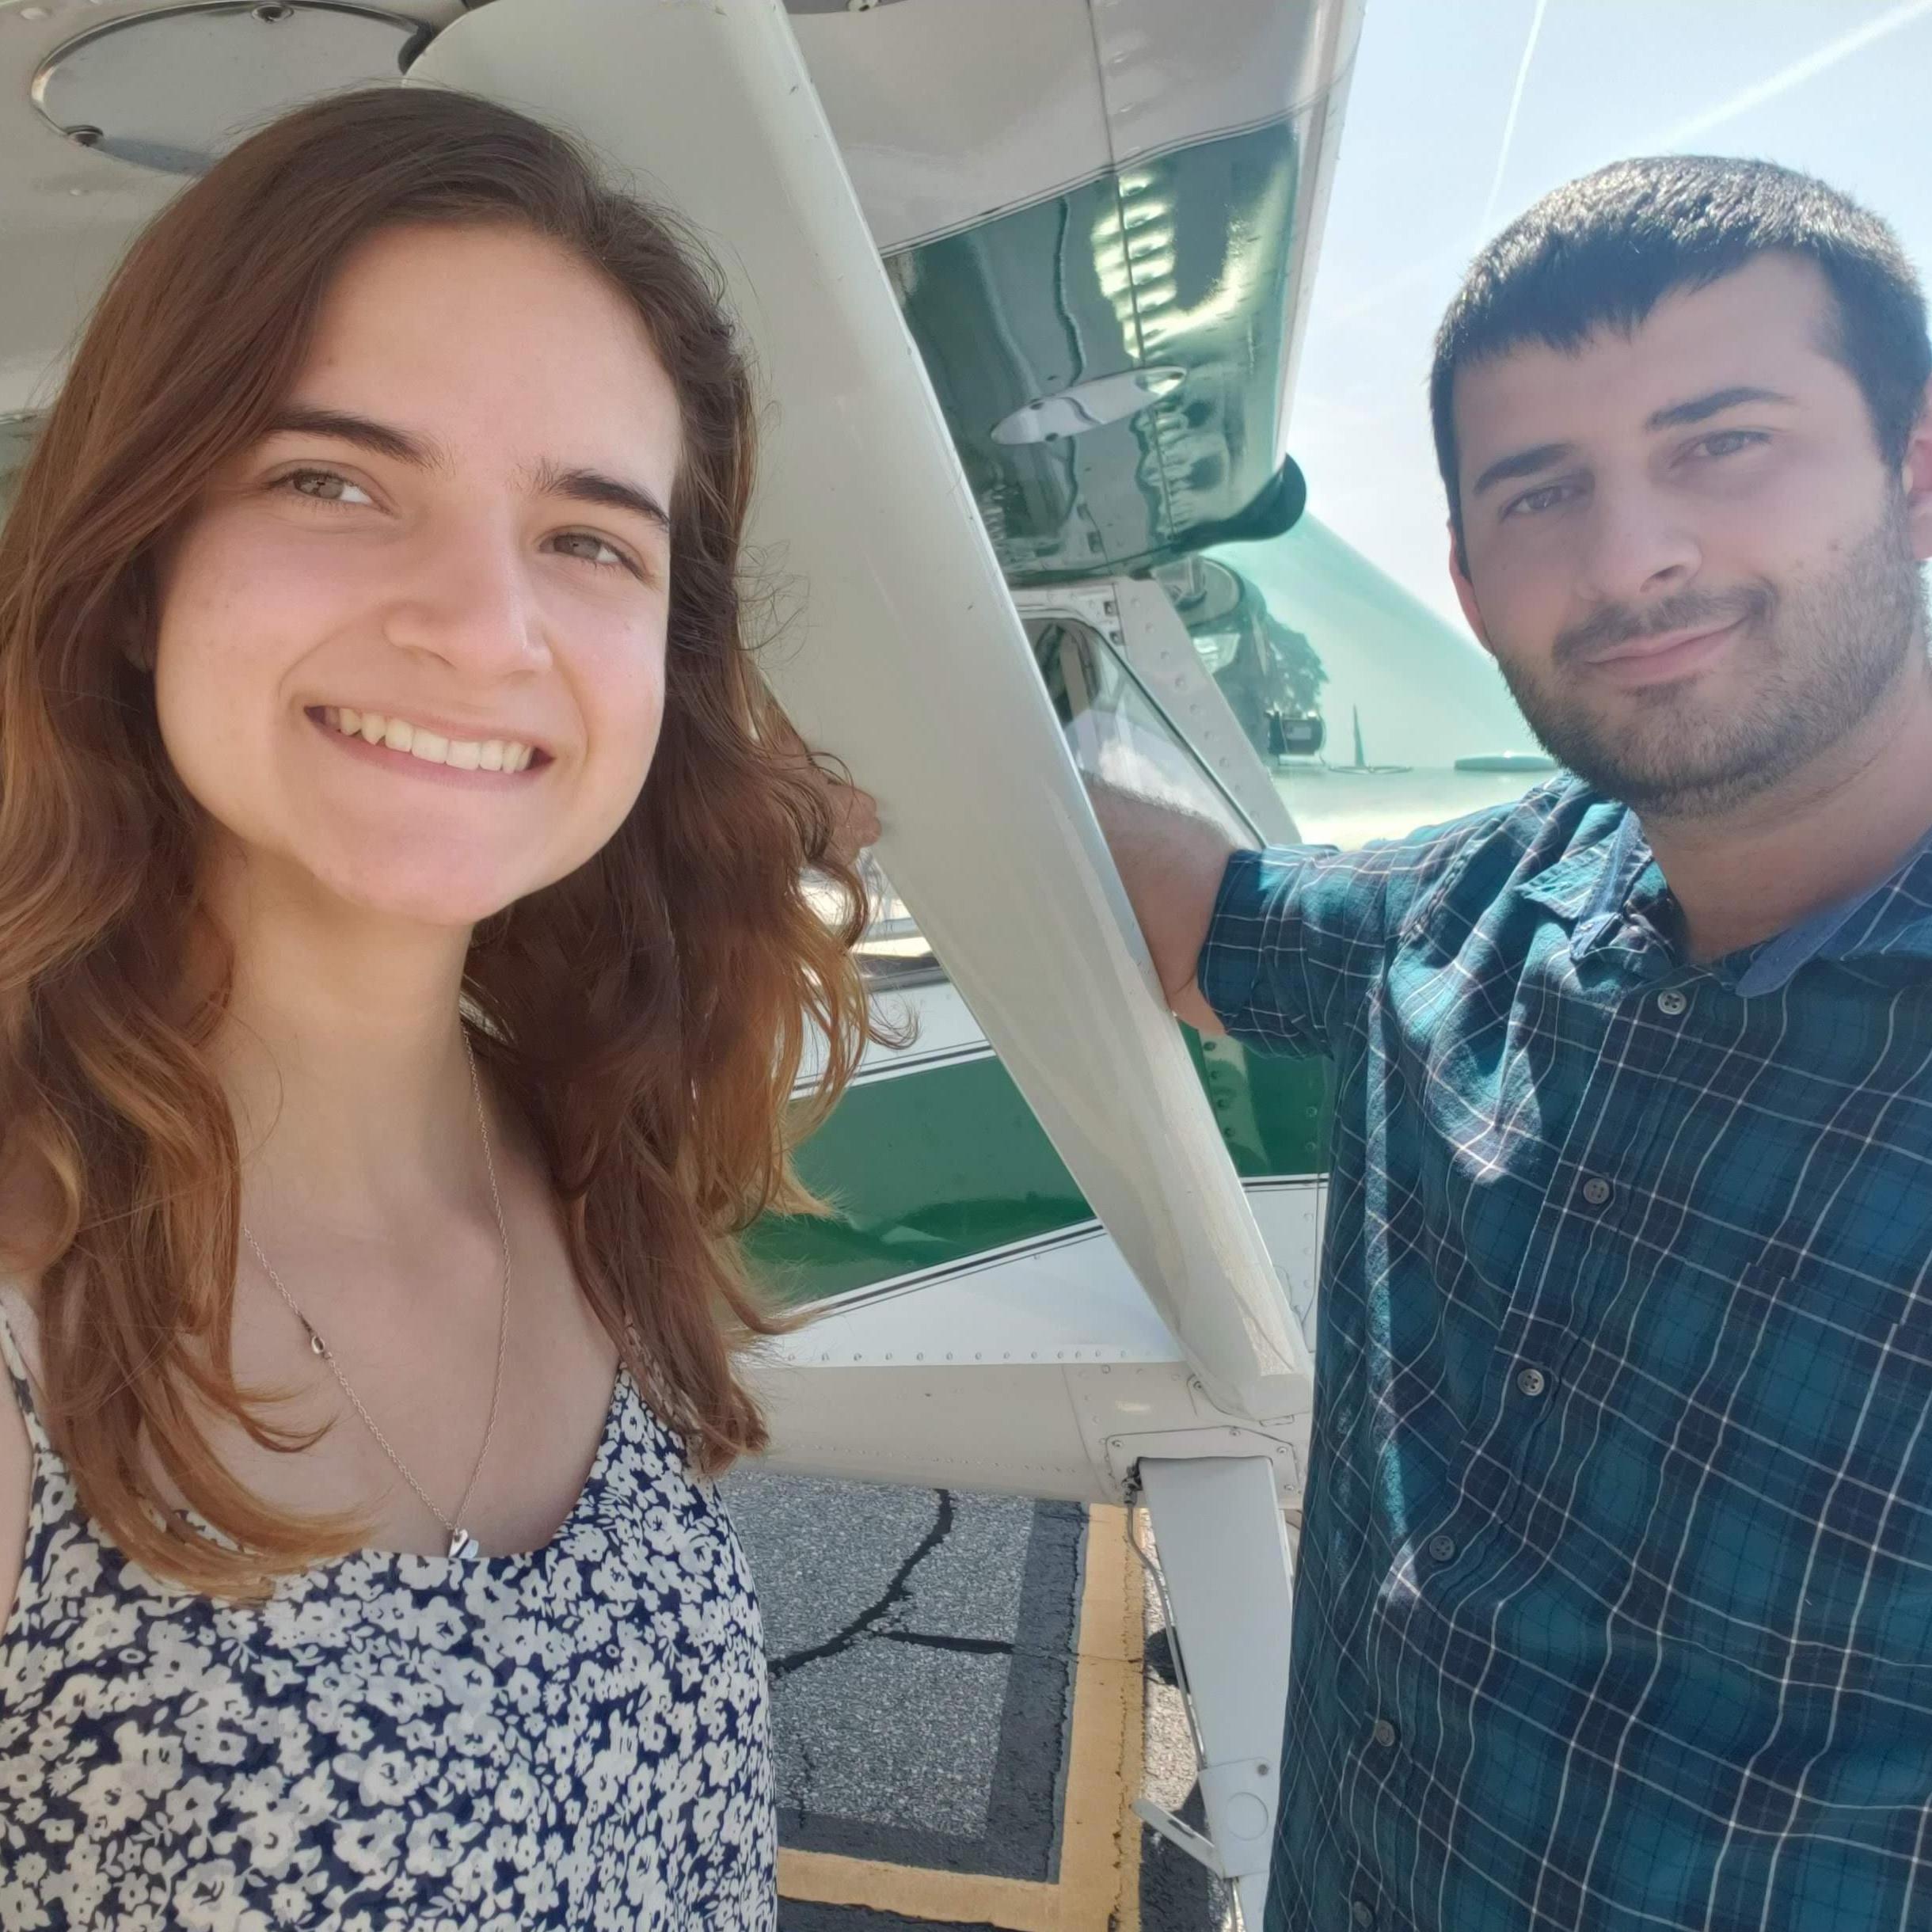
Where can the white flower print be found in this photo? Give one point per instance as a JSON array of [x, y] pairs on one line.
[[382, 1779], [273, 1839], [516, 1794], [191, 1806], [110, 1798], [434, 1846]]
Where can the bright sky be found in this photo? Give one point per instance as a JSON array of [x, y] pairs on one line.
[[1462, 114]]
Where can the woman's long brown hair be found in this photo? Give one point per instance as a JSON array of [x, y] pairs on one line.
[[647, 1016]]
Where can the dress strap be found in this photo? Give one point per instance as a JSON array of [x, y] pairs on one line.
[[17, 1320]]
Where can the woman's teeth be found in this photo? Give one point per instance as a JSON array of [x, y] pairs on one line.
[[400, 735]]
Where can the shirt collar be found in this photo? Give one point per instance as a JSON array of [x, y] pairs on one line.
[[1894, 916], [1594, 873], [1608, 870]]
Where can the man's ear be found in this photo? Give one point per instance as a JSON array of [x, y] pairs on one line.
[[1466, 591], [1918, 479]]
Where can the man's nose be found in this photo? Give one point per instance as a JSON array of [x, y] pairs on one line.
[[468, 599], [1638, 545]]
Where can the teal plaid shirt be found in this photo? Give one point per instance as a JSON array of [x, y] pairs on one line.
[[1614, 1606]]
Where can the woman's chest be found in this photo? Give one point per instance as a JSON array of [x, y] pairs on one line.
[[415, 1401]]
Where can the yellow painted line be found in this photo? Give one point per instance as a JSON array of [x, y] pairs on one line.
[[1099, 1888], [1099, 1845], [964, 1898]]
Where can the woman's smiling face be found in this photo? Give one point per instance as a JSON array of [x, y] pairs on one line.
[[411, 645]]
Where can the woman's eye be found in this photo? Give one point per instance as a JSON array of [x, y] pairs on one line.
[[591, 550], [325, 486]]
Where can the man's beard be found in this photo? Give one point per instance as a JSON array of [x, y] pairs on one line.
[[1819, 661]]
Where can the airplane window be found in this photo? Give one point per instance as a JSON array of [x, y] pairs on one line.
[[893, 953], [1120, 732], [1117, 731], [1270, 674], [1371, 712]]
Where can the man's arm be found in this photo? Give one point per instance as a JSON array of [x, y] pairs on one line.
[[1172, 863]]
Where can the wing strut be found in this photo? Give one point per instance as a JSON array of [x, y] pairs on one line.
[[911, 664]]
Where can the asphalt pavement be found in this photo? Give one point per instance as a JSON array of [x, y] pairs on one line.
[[969, 1691]]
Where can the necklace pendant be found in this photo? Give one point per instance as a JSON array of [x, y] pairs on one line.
[[316, 1343], [462, 1543]]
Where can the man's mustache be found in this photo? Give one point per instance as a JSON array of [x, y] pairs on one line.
[[1617, 624]]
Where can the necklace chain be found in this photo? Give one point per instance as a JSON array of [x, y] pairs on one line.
[[461, 1542]]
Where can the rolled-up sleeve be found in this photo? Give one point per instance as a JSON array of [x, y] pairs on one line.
[[1300, 934], [1296, 931]]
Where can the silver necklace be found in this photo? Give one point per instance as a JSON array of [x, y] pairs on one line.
[[461, 1542]]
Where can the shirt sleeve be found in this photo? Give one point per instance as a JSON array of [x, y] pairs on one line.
[[1297, 935], [1300, 935]]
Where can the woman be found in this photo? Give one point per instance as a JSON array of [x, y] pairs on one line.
[[403, 968]]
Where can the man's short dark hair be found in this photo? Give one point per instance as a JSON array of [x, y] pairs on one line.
[[1601, 252]]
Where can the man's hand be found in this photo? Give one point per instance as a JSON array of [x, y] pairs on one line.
[[855, 817]]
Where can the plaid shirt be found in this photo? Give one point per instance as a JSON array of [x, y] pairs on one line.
[[1614, 1601]]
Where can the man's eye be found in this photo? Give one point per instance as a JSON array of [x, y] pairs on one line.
[[1728, 442], [1532, 503]]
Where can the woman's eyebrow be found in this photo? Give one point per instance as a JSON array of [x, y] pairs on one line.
[[548, 479], [378, 439], [609, 493]]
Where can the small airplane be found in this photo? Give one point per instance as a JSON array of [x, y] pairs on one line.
[[1027, 280]]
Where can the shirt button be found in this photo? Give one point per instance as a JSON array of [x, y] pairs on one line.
[[1596, 1190], [1530, 1381], [1442, 1548], [1362, 1913], [1385, 1735], [1672, 1002]]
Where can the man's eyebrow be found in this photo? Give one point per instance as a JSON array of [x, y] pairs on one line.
[[1524, 463], [609, 493], [1701, 408], [585, 486]]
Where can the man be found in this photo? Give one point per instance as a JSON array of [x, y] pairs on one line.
[[1614, 1599]]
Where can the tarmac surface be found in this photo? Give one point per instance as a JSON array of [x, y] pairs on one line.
[[969, 1692]]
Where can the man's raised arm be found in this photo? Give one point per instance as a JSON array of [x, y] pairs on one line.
[[1171, 862]]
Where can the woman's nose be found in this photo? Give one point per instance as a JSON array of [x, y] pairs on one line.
[[468, 600]]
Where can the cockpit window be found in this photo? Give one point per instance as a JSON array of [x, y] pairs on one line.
[[1119, 731]]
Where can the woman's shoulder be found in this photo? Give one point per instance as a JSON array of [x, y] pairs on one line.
[[15, 1445]]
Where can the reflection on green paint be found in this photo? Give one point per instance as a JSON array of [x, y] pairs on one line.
[[927, 1168], [1424, 692], [1272, 1112], [1183, 262], [920, 1170]]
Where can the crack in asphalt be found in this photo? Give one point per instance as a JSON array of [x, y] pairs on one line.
[[897, 1592], [928, 1640]]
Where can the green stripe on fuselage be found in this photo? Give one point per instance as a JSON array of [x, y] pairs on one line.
[[925, 1170]]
